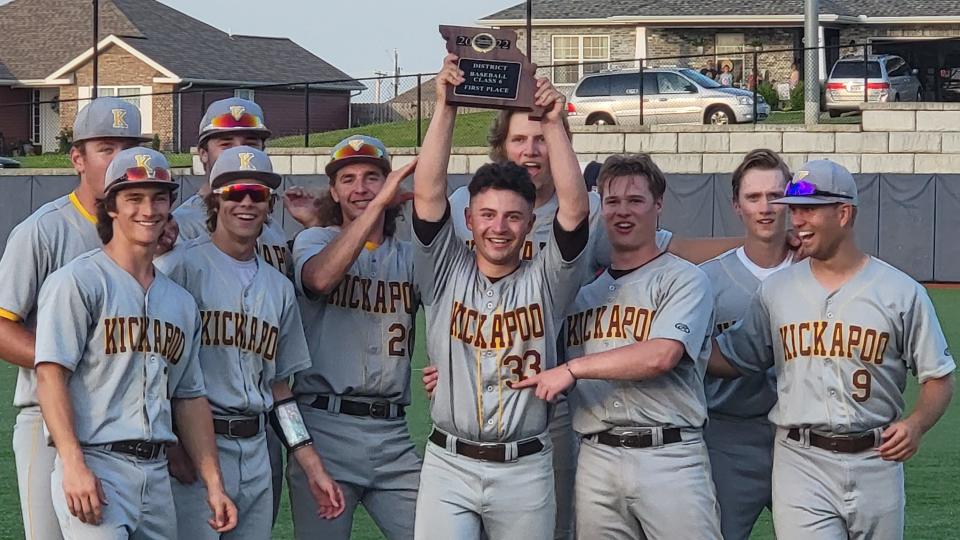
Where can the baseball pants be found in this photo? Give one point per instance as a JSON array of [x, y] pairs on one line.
[[275, 447], [376, 465], [658, 493], [461, 496], [34, 465], [139, 502], [245, 467], [565, 444], [823, 495], [741, 459]]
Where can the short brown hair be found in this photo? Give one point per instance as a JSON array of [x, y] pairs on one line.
[[621, 165], [497, 138], [762, 159]]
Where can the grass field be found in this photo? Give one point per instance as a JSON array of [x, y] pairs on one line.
[[932, 476]]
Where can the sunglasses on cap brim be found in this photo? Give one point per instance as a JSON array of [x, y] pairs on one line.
[[801, 188], [363, 150], [141, 174], [229, 121], [258, 193]]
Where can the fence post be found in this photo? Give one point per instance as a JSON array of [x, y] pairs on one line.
[[419, 109], [640, 88], [306, 116], [866, 74], [203, 101], [756, 84]]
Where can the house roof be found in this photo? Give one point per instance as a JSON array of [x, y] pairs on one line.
[[41, 36], [610, 9]]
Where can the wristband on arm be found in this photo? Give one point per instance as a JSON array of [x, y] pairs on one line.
[[288, 423]]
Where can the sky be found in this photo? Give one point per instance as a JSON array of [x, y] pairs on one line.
[[357, 37]]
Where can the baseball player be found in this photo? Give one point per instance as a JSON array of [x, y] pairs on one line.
[[639, 339], [359, 309], [227, 123], [116, 366], [492, 321], [739, 437], [842, 330], [252, 343], [51, 237]]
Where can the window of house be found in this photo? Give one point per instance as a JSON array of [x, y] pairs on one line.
[[130, 94], [577, 50], [243, 93], [729, 52]]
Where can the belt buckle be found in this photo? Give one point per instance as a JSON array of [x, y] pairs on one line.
[[630, 439], [488, 451], [230, 424], [143, 450], [380, 409]]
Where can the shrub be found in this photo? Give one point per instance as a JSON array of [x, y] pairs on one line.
[[796, 98], [769, 94], [64, 140]]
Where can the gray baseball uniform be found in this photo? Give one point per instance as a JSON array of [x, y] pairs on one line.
[[52, 236], [841, 362], [483, 335], [251, 336], [361, 338], [191, 218], [130, 352], [663, 490], [739, 437], [565, 443]]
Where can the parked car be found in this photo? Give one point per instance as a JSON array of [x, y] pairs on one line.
[[889, 78], [670, 96], [7, 163]]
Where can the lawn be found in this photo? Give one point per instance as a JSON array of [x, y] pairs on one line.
[[62, 161], [471, 130], [931, 476]]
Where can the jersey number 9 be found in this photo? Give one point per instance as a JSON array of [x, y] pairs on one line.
[[861, 384]]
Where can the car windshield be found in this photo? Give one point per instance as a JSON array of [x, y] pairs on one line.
[[700, 78], [854, 70]]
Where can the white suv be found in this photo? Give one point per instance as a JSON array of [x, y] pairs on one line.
[[670, 96], [889, 78]]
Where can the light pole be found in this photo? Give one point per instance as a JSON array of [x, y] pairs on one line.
[[811, 64]]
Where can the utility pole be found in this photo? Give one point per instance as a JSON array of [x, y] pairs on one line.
[[811, 64], [96, 39], [529, 30], [379, 74], [396, 73]]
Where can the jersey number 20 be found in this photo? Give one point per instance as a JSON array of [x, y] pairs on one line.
[[401, 340]]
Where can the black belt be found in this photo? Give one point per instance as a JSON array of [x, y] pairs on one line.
[[377, 409], [640, 438], [487, 452], [138, 449], [237, 428], [845, 444]]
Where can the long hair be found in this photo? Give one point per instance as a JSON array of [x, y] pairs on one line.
[[330, 214]]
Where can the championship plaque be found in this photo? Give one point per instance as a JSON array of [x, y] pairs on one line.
[[498, 75]]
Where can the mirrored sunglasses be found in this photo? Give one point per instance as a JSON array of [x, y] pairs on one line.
[[140, 174], [228, 120], [802, 188], [365, 149], [258, 193]]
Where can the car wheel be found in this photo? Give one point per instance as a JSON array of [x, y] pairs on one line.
[[719, 116], [896, 98], [920, 95], [600, 120], [835, 114]]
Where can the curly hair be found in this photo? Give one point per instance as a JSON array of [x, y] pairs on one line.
[[330, 214], [499, 130], [507, 176]]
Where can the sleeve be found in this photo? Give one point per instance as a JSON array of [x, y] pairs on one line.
[[65, 316], [191, 384], [292, 354], [561, 278], [925, 348], [438, 261], [747, 344], [172, 264], [22, 269], [307, 244], [663, 239], [191, 221], [685, 312]]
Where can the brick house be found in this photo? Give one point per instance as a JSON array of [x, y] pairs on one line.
[[727, 31], [147, 51]]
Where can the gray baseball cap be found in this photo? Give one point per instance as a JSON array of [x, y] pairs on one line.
[[138, 166], [243, 163], [231, 115], [821, 182], [108, 117]]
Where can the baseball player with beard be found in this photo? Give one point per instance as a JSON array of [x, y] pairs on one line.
[[637, 341], [51, 237], [252, 343], [492, 321], [359, 310], [739, 437], [116, 365], [842, 330]]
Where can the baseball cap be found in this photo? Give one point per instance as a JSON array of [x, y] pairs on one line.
[[821, 182], [108, 117], [138, 166], [358, 149], [230, 115], [244, 163]]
